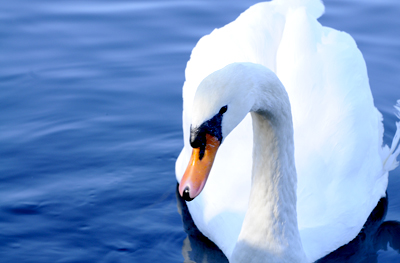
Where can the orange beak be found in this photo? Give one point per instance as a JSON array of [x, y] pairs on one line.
[[197, 172]]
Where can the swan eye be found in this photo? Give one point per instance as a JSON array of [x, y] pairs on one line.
[[223, 109]]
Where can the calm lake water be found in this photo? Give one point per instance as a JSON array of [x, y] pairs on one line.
[[90, 121]]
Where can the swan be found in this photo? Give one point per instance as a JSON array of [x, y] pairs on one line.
[[283, 158]]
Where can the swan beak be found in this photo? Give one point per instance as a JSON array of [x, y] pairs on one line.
[[198, 169]]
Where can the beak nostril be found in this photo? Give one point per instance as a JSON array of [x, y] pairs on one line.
[[186, 194]]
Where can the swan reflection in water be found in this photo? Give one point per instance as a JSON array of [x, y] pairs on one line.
[[376, 235]]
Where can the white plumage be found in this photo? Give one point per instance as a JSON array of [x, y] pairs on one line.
[[342, 168]]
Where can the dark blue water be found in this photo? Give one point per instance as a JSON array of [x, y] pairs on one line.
[[90, 121]]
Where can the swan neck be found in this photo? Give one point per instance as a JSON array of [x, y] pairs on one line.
[[270, 228]]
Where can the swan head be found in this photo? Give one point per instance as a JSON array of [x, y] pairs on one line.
[[221, 102]]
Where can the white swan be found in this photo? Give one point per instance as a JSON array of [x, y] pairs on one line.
[[290, 67]]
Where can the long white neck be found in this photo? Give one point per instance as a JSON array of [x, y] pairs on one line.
[[270, 230]]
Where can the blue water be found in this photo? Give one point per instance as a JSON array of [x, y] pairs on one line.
[[90, 121]]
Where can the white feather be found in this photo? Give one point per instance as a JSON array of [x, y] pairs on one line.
[[341, 165]]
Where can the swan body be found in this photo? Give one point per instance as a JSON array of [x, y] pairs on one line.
[[298, 176]]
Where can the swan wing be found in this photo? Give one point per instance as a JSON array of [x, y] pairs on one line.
[[338, 132]]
